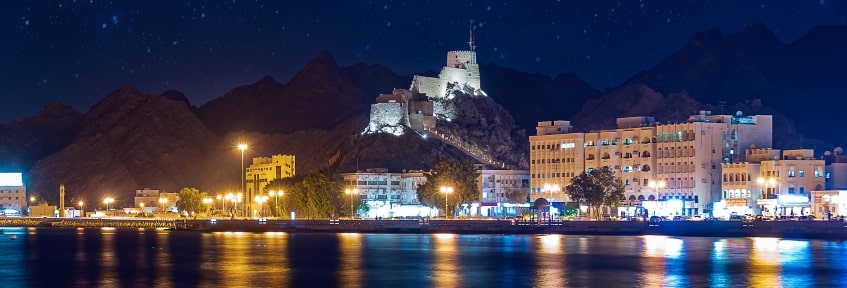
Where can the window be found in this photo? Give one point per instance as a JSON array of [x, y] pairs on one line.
[[791, 173], [801, 172]]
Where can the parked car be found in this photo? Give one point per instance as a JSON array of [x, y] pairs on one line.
[[656, 219]]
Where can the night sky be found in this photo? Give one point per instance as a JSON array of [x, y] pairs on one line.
[[75, 52]]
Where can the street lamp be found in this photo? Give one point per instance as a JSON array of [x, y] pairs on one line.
[[656, 185], [207, 201], [276, 195], [238, 200], [229, 197], [261, 200], [351, 192], [446, 190], [107, 201], [141, 204], [80, 206], [243, 147], [163, 201]]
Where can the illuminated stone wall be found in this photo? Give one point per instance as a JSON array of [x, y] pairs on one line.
[[387, 118]]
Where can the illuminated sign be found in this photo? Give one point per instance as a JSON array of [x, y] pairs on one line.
[[785, 199], [566, 145], [11, 179]]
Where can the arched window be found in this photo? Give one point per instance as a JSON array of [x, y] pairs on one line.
[[724, 177], [645, 154], [645, 140], [645, 168], [605, 155], [651, 198], [590, 157], [632, 197]]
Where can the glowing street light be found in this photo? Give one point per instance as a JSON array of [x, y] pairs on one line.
[[351, 192], [163, 201], [261, 200], [446, 190], [108, 201], [219, 197], [276, 195], [243, 147], [656, 185], [207, 201], [80, 205], [229, 197]]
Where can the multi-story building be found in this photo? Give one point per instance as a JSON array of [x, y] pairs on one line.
[[502, 191], [385, 192], [152, 200], [263, 170], [683, 158], [13, 198], [795, 175]]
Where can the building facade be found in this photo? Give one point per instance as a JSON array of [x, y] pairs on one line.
[[13, 197], [502, 191], [683, 160], [263, 170], [387, 194]]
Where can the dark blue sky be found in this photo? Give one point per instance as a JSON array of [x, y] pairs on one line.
[[75, 52]]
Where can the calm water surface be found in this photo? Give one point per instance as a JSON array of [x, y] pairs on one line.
[[129, 258]]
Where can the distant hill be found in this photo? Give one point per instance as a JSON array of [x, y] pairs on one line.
[[132, 139]]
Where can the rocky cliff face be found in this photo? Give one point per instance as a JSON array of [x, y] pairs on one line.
[[129, 140], [320, 96], [25, 141]]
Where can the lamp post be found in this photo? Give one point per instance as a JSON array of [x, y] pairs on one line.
[[207, 201], [261, 200], [108, 201], [276, 195], [229, 197], [243, 147], [656, 185], [769, 183], [351, 192], [446, 190], [163, 202], [237, 200], [141, 206], [80, 207]]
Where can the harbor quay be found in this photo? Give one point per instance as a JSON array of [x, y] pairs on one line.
[[783, 229]]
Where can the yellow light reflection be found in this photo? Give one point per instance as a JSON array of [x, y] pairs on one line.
[[239, 262], [764, 262], [549, 260], [108, 262], [446, 270], [653, 253], [351, 260]]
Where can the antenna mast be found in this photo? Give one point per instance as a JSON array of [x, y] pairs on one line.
[[470, 43]]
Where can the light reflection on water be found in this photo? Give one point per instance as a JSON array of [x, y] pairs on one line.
[[154, 258]]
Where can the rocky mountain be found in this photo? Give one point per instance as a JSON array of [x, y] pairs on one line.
[[750, 71], [320, 96], [129, 140], [25, 141], [132, 139]]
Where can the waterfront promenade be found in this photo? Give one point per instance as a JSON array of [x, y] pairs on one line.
[[785, 229]]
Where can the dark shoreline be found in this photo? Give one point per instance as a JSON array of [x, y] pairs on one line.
[[783, 229]]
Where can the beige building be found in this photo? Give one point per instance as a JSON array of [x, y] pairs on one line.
[[263, 170], [794, 177], [683, 160], [13, 197]]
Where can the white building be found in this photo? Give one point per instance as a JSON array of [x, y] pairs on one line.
[[13, 197], [682, 158], [496, 186], [152, 200], [387, 194]]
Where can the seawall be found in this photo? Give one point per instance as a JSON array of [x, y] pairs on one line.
[[784, 229]]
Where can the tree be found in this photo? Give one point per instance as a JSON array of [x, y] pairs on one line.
[[446, 171], [596, 188], [317, 195], [191, 200]]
